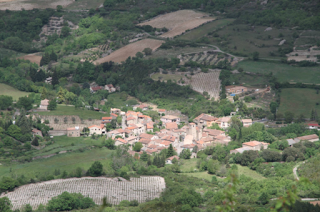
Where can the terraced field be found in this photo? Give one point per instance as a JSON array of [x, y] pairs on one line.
[[207, 82], [140, 189], [208, 58]]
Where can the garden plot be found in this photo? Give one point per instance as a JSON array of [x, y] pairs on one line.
[[207, 82], [130, 51], [140, 189], [306, 54], [33, 58], [178, 22]]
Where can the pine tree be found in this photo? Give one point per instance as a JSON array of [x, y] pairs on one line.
[[170, 151], [144, 156], [53, 56], [32, 74], [312, 115], [40, 76], [35, 141], [149, 162], [55, 78]]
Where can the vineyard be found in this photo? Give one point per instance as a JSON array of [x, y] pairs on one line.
[[115, 190], [207, 82], [208, 58]]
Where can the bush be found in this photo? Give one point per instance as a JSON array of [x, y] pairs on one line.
[[290, 159], [69, 201], [95, 170]]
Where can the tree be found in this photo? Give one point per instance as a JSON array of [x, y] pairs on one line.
[[69, 201], [170, 151], [263, 199], [147, 51], [139, 55], [25, 102], [95, 170], [8, 184], [5, 102], [28, 208], [59, 8], [5, 204], [53, 56], [137, 147], [65, 32], [14, 131], [40, 76], [109, 3], [273, 107], [213, 166], [55, 78], [144, 156], [35, 141], [255, 56], [288, 117], [185, 154], [52, 104]]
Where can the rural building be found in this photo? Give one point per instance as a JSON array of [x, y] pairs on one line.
[[171, 126], [240, 150], [149, 127], [255, 145], [114, 133], [44, 104], [292, 141], [37, 132], [170, 118], [205, 120], [162, 111], [132, 140], [106, 120], [169, 160], [311, 138], [120, 141], [94, 89], [246, 122], [143, 107], [98, 130], [109, 88], [48, 80], [236, 89], [313, 126], [73, 132], [225, 122], [113, 115], [115, 110]]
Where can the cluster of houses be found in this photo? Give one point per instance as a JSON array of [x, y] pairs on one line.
[[108, 87]]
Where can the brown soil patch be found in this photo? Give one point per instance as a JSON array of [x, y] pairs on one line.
[[178, 22], [315, 203], [32, 58], [130, 51]]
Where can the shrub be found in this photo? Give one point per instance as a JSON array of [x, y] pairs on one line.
[[95, 170], [69, 201]]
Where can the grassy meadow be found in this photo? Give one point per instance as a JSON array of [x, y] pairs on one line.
[[63, 110], [11, 91], [283, 72], [65, 162], [205, 29], [299, 101]]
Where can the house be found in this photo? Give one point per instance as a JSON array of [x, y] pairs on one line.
[[114, 133], [113, 116], [120, 141], [149, 127], [165, 144], [246, 122], [98, 130], [171, 126], [311, 138], [94, 89], [132, 140], [37, 132], [188, 146], [44, 104], [291, 142], [145, 142], [115, 110], [236, 89], [313, 126], [169, 160], [255, 145], [48, 80], [162, 111], [150, 151], [109, 88], [106, 120], [170, 118], [73, 132], [205, 120], [240, 150], [143, 107], [225, 122]]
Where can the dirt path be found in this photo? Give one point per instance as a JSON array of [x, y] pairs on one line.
[[295, 170]]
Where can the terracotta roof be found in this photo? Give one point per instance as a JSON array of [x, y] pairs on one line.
[[149, 126], [36, 130], [95, 126], [122, 140], [205, 117], [73, 128], [188, 146], [144, 141], [314, 125], [146, 136], [169, 138], [171, 125], [150, 151], [161, 110], [44, 102], [152, 146], [308, 137], [171, 158], [96, 88], [131, 138], [130, 118], [166, 143], [113, 114], [247, 120], [252, 143], [161, 147], [170, 117], [106, 118], [225, 119]]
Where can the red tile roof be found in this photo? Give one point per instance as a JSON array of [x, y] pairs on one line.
[[96, 88], [106, 118], [122, 140], [171, 125]]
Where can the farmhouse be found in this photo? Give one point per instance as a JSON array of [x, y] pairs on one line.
[[170, 118], [94, 89], [169, 160], [313, 126], [246, 122], [161, 111], [106, 120], [44, 104], [252, 145], [205, 120], [98, 130], [36, 132], [73, 132], [115, 110], [236, 89], [109, 88]]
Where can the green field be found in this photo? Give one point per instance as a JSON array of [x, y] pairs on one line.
[[299, 101], [166, 77], [205, 29], [249, 173], [67, 162], [283, 72], [63, 110], [201, 175], [11, 91]]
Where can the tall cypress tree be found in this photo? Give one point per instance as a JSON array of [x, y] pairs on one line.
[[170, 151], [55, 78], [32, 74], [53, 56], [40, 76]]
